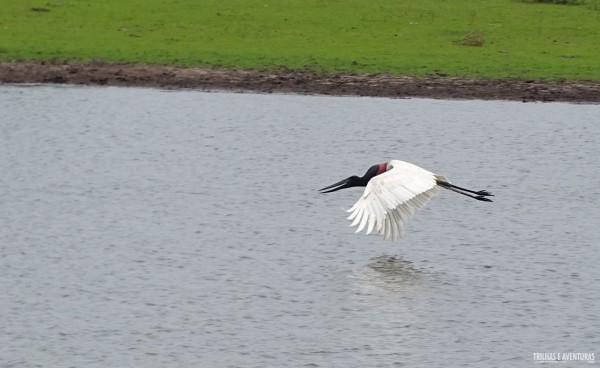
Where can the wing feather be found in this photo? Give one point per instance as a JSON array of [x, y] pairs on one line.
[[391, 198]]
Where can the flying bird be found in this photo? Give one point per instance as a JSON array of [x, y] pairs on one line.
[[394, 191]]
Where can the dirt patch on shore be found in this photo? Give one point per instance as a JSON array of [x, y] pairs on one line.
[[305, 82]]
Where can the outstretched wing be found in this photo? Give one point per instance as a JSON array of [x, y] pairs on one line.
[[393, 197]]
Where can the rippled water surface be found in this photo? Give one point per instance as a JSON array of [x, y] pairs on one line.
[[148, 228]]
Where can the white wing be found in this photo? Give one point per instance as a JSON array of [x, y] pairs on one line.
[[393, 197]]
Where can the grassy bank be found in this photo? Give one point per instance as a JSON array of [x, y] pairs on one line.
[[484, 38]]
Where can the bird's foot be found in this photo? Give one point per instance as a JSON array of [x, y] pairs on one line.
[[484, 193]]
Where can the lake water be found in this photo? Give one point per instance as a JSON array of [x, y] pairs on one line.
[[149, 228]]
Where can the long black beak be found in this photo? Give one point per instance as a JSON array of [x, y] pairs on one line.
[[337, 186]]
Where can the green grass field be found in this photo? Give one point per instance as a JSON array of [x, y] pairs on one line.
[[419, 38]]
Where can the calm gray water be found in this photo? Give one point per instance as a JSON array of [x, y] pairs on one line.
[[145, 228]]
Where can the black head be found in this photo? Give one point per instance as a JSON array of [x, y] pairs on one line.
[[355, 181]]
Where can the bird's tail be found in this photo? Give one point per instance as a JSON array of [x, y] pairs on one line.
[[441, 179]]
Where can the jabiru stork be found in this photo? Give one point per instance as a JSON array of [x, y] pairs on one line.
[[394, 191]]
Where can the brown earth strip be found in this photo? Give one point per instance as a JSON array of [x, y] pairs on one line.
[[304, 82]]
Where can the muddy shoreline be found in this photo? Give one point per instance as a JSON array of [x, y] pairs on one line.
[[303, 82]]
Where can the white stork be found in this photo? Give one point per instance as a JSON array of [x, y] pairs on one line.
[[394, 191]]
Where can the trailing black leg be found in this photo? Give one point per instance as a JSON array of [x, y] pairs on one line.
[[480, 195], [447, 185]]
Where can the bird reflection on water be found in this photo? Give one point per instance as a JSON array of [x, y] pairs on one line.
[[391, 273]]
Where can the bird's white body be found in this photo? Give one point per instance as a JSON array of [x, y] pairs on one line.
[[392, 197]]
